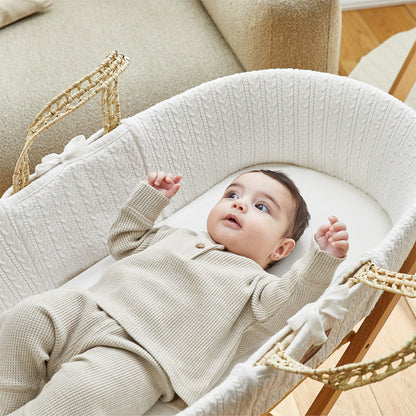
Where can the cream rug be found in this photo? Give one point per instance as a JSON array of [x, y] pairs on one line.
[[381, 66]]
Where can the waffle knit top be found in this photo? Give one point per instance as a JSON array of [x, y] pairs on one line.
[[193, 305]]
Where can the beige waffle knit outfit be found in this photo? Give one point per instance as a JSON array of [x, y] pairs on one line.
[[179, 308]]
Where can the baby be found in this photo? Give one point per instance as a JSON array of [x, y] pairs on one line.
[[175, 310]]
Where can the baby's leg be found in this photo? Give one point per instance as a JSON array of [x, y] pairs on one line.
[[100, 381], [26, 340], [36, 336]]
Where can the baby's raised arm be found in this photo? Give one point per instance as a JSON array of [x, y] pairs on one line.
[[167, 184], [333, 237], [133, 228]]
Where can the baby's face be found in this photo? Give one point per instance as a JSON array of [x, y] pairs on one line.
[[252, 218]]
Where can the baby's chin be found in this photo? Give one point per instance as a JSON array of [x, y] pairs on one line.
[[216, 239], [228, 244]]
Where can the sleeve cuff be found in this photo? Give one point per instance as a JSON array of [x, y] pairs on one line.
[[318, 266], [148, 201]]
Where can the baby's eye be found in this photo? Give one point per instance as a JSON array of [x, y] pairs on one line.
[[231, 195], [262, 207]]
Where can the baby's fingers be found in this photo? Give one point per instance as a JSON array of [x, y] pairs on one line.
[[162, 177], [339, 236], [172, 181], [337, 226], [158, 178], [155, 178], [340, 248], [151, 177], [322, 230], [333, 219], [340, 244], [177, 178]]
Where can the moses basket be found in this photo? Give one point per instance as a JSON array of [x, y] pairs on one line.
[[348, 146]]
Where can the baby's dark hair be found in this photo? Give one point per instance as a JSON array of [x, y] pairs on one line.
[[300, 220]]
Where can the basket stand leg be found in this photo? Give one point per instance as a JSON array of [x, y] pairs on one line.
[[356, 351], [372, 325], [362, 340]]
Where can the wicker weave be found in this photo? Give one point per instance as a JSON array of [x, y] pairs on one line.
[[356, 375], [103, 79], [350, 376], [377, 278]]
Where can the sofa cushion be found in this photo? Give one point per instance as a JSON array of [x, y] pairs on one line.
[[13, 10], [281, 33], [173, 45]]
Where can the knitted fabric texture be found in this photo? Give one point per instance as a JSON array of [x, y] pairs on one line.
[[58, 226], [173, 46], [90, 364], [193, 305]]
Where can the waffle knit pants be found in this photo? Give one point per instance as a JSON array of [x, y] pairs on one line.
[[60, 354]]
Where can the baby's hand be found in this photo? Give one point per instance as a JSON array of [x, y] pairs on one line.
[[166, 184], [333, 238]]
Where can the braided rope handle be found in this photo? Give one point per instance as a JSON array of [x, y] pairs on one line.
[[359, 374], [104, 79], [350, 376], [355, 375], [378, 278]]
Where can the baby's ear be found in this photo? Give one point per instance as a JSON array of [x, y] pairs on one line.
[[286, 245]]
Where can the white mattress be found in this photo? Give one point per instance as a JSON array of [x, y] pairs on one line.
[[367, 224]]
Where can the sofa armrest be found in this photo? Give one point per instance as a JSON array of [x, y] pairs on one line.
[[280, 33]]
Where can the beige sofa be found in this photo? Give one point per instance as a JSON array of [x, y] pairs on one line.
[[173, 45]]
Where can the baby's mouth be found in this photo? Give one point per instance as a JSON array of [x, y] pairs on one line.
[[232, 220]]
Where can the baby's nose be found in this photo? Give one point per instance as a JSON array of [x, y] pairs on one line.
[[239, 204]]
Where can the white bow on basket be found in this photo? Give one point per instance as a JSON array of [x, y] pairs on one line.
[[104, 80], [74, 149], [310, 320], [352, 375]]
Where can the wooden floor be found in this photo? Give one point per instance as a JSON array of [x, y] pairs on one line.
[[362, 31]]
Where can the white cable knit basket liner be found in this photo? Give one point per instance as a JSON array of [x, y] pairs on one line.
[[349, 147]]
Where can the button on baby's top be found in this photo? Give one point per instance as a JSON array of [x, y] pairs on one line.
[[200, 245]]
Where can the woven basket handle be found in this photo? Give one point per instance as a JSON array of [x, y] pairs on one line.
[[360, 374], [104, 79], [354, 375]]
